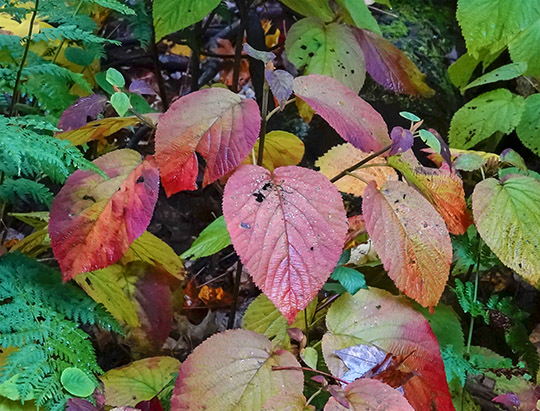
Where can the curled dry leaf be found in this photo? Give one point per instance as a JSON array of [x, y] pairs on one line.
[[341, 157], [218, 124], [93, 221], [352, 117], [288, 227], [411, 239]]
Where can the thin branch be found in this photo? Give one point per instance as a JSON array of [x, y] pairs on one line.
[[360, 163], [280, 108], [23, 60], [262, 134], [236, 291]]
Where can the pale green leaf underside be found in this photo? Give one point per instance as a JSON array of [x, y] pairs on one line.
[[173, 15], [494, 23], [480, 118], [508, 219], [329, 49], [528, 129]]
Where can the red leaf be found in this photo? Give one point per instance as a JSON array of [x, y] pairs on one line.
[[93, 221], [353, 118], [218, 124], [411, 239], [288, 227], [368, 394], [389, 323], [390, 67], [78, 404]]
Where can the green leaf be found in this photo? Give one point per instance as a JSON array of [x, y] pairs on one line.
[[310, 356], [139, 381], [480, 118], [518, 340], [513, 158], [469, 162], [349, 278], [494, 23], [507, 218], [263, 317], [76, 382], [357, 14], [409, 116], [115, 78], [446, 326], [212, 239], [506, 72], [429, 138], [528, 129], [525, 48], [503, 172], [313, 8], [328, 49], [120, 102], [79, 56], [462, 69], [173, 15]]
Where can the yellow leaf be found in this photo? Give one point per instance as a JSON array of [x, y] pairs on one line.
[[96, 130], [281, 148], [341, 157]]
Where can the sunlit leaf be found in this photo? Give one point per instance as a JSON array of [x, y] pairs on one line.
[[96, 130], [212, 239], [170, 16], [263, 317], [139, 381], [493, 23], [443, 188], [215, 122], [353, 118], [281, 148], [233, 371], [377, 318], [356, 13], [93, 221], [390, 67], [411, 239], [329, 49], [77, 382], [523, 49], [288, 227], [528, 129], [314, 8], [507, 218], [341, 157]]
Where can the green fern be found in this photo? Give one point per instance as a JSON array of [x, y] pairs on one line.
[[465, 295], [518, 340], [39, 317], [22, 189]]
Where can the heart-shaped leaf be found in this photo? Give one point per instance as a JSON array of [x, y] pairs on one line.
[[353, 118], [218, 124], [507, 218], [377, 318], [390, 67], [93, 221], [343, 156], [233, 371], [442, 187], [373, 395], [288, 227], [139, 381], [411, 239]]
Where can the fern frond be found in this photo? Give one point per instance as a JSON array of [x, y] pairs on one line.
[[39, 317], [53, 70], [22, 189], [72, 33], [115, 5]]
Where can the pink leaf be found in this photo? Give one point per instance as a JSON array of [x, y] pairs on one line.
[[77, 115], [288, 227], [94, 221], [353, 118], [390, 67], [373, 395], [218, 124], [411, 239]]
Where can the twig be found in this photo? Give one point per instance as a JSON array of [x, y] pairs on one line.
[[238, 46], [280, 368], [360, 163], [280, 108], [14, 98], [262, 134], [383, 11], [236, 291]]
